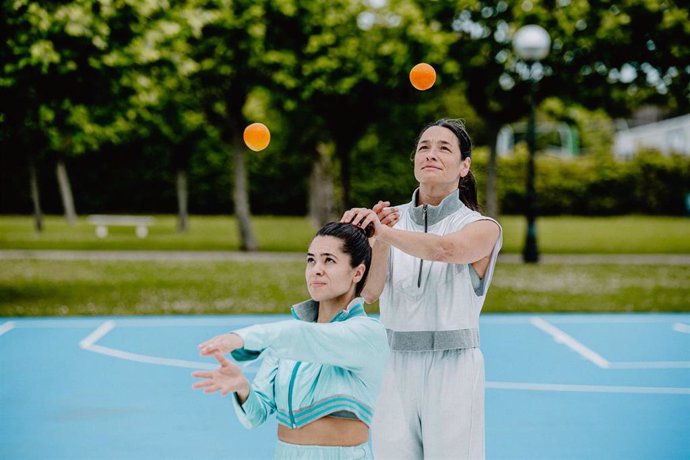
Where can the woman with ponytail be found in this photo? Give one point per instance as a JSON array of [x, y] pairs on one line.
[[321, 372], [433, 259]]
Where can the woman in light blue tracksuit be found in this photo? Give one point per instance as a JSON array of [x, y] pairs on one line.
[[432, 265], [321, 372]]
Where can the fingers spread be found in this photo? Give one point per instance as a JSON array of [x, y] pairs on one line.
[[203, 384], [212, 388], [223, 362], [202, 374]]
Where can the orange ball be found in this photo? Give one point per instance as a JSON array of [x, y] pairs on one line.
[[422, 76], [257, 136]]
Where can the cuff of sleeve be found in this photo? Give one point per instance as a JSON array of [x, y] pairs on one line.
[[244, 411], [252, 337]]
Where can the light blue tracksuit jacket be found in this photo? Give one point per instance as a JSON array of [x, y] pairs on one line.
[[311, 370]]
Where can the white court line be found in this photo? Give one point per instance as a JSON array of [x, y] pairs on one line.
[[6, 327], [586, 388], [680, 327], [98, 334], [598, 318], [149, 359], [565, 339], [651, 365], [89, 344]]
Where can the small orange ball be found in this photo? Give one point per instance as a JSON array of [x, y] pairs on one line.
[[422, 76], [257, 136]]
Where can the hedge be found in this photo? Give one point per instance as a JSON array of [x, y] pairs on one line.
[[650, 183]]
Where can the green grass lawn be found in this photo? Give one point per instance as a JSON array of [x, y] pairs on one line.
[[206, 233], [43, 287], [556, 235], [40, 287]]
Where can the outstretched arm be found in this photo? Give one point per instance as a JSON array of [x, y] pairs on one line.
[[351, 344]]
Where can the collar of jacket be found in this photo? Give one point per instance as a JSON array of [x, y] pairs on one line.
[[309, 310], [435, 214]]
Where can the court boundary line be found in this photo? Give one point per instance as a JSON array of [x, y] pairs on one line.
[[562, 387], [7, 327], [590, 355], [105, 327], [681, 327], [89, 344], [562, 337]]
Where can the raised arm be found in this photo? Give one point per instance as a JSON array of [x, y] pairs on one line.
[[352, 344], [474, 242], [470, 245], [378, 271]]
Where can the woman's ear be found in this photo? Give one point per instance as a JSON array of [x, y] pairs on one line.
[[359, 273], [465, 166]]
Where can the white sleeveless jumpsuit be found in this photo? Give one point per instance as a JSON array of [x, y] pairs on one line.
[[431, 404]]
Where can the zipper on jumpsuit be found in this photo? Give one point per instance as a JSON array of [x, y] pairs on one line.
[[421, 261], [292, 384]]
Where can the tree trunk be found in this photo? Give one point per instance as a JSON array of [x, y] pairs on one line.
[[35, 197], [65, 192], [182, 195], [241, 196], [344, 157], [321, 187], [492, 208]]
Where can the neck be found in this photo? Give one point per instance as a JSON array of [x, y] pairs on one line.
[[434, 194], [329, 308]]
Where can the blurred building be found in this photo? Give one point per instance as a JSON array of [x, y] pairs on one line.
[[555, 138], [667, 136]]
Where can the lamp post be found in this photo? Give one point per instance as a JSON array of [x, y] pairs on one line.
[[532, 44]]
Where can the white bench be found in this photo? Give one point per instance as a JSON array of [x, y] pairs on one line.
[[102, 222]]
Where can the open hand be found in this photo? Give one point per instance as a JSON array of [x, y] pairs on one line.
[[227, 378]]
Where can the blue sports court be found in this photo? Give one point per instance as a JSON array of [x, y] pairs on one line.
[[558, 387]]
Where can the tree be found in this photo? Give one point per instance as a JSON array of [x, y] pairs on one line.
[[157, 71], [343, 68], [58, 96], [616, 56]]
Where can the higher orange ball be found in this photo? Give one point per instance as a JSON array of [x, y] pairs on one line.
[[257, 136], [422, 76]]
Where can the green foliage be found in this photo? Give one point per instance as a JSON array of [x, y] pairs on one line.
[[170, 85], [595, 185]]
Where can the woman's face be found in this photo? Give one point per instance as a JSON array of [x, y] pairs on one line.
[[328, 272], [437, 160]]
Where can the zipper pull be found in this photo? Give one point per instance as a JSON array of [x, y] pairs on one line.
[[421, 261]]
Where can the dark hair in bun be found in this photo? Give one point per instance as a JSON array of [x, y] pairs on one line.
[[355, 243]]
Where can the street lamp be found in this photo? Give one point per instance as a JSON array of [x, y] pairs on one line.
[[532, 44]]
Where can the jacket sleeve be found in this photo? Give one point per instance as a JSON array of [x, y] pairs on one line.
[[261, 400], [354, 344]]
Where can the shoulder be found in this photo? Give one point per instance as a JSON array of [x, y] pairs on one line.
[[367, 325], [466, 216], [403, 207]]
